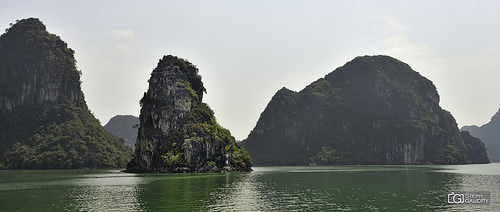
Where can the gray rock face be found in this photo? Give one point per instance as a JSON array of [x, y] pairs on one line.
[[38, 91], [372, 110], [489, 134], [171, 103], [178, 132], [45, 122], [124, 126], [41, 77]]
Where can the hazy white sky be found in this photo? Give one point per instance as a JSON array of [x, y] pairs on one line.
[[248, 50]]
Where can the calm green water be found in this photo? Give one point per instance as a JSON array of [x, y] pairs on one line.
[[316, 188]]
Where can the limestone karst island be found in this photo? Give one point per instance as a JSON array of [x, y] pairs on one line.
[[372, 110], [44, 119], [178, 132]]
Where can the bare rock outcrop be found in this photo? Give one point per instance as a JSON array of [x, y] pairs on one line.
[[178, 132]]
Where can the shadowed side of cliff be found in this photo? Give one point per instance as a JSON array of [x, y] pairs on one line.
[[372, 110]]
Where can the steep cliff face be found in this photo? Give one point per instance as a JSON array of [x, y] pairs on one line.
[[37, 68], [178, 132], [45, 122], [489, 134], [373, 110]]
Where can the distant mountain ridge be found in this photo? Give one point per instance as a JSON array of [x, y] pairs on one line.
[[124, 126], [372, 110], [489, 134]]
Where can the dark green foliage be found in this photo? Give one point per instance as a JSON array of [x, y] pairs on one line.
[[45, 122], [76, 140], [27, 43], [190, 71], [451, 155], [201, 114], [372, 110], [200, 124], [326, 156], [240, 157], [174, 153], [178, 132], [474, 146]]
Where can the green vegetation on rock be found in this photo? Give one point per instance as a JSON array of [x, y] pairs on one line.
[[372, 110], [178, 132], [45, 120]]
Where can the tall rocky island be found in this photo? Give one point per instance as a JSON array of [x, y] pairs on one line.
[[178, 132], [44, 119], [372, 110]]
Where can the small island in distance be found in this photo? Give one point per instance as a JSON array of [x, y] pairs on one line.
[[125, 127], [489, 134]]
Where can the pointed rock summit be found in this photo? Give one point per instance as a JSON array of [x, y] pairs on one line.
[[178, 132], [372, 110], [124, 126], [45, 122]]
